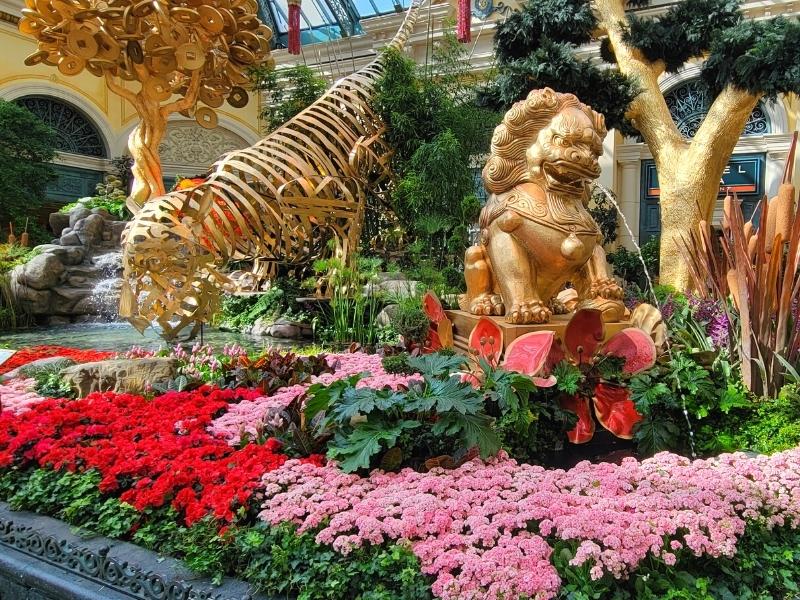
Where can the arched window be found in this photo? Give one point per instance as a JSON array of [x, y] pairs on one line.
[[689, 103], [75, 133]]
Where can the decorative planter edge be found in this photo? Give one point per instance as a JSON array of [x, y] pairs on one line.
[[42, 558]]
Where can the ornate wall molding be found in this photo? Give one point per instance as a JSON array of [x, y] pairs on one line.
[[188, 144], [99, 567]]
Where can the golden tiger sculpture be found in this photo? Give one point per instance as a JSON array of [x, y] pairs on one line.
[[536, 233]]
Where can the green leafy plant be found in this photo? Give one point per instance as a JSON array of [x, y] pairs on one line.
[[774, 424], [681, 393], [410, 321], [353, 310], [110, 196], [628, 265], [48, 378], [28, 145], [274, 369], [604, 214], [288, 91], [281, 562], [366, 422], [436, 129]]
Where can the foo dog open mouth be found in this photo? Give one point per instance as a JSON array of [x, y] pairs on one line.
[[573, 174]]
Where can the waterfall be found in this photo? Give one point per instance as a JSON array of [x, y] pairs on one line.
[[106, 292]]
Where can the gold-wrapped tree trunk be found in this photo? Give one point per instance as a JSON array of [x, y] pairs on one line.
[[689, 171], [179, 53]]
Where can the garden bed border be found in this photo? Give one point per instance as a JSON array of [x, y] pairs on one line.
[[45, 559]]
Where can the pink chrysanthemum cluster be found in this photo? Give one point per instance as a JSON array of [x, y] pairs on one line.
[[17, 395], [482, 530], [247, 417]]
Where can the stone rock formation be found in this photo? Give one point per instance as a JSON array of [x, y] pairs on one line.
[[77, 276], [134, 376]]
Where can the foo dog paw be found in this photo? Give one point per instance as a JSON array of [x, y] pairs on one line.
[[606, 288], [557, 307], [529, 312], [487, 304]]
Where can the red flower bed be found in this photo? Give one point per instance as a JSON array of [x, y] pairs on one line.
[[28, 355], [150, 452]]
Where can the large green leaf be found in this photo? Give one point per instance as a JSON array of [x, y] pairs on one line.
[[354, 451], [363, 401], [474, 430], [322, 397], [654, 435], [436, 365], [445, 395]]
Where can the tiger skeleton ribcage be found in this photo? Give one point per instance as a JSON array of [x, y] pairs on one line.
[[276, 201]]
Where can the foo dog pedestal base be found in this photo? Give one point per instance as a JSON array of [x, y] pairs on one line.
[[464, 322]]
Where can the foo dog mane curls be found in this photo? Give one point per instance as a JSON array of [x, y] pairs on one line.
[[507, 165]]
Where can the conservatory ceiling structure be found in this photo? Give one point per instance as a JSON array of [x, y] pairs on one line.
[[324, 20]]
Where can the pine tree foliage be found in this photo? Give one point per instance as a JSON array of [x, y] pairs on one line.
[[762, 57], [555, 65], [685, 31]]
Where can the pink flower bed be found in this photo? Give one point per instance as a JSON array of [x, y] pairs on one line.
[[482, 530], [17, 395], [246, 417]]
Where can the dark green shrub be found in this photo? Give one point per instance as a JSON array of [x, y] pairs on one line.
[[410, 321], [397, 364]]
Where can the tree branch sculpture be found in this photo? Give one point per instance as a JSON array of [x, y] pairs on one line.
[[743, 62], [198, 51]]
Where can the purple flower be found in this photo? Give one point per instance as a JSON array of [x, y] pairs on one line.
[[714, 319]]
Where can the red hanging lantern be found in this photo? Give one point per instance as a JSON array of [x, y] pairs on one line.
[[294, 26], [464, 23]]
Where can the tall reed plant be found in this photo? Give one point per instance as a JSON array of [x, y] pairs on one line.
[[354, 304]]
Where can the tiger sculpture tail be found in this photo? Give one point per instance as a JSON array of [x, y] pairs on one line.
[[279, 201]]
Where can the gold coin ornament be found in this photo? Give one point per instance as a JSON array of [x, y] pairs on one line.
[[82, 43], [36, 58], [238, 97], [190, 56], [211, 19], [185, 15], [206, 117], [210, 97], [70, 65]]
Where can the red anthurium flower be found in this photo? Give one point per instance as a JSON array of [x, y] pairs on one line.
[[635, 346], [433, 307], [433, 343], [440, 334], [583, 346], [615, 410], [486, 339], [584, 428], [528, 354], [583, 334]]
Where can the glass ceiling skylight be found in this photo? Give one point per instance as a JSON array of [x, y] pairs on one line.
[[323, 20]]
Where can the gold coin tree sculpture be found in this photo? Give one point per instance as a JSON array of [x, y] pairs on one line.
[[179, 52]]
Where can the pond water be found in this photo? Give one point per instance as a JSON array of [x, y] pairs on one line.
[[121, 336]]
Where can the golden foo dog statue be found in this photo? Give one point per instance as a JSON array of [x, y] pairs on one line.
[[536, 233]]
